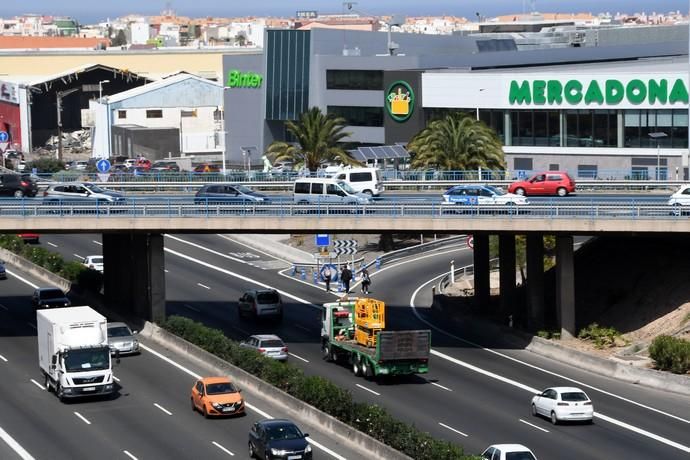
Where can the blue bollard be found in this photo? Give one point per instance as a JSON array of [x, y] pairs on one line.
[[304, 275], [316, 278], [378, 263], [294, 270], [340, 286]]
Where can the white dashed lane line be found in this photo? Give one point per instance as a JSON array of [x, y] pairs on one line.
[[162, 408], [367, 389], [38, 385], [3, 358], [223, 448], [129, 455], [534, 426], [82, 417], [77, 256], [452, 429], [440, 386], [298, 357], [4, 307], [51, 244], [97, 242], [203, 286]]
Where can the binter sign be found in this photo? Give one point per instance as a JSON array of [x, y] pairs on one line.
[[237, 79]]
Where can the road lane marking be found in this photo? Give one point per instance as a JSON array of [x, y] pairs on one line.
[[162, 408], [77, 256], [192, 308], [247, 405], [116, 379], [203, 286], [367, 389], [24, 280], [97, 242], [440, 386], [534, 426], [534, 390], [14, 445], [222, 448], [3, 358], [298, 357], [452, 429], [166, 271], [51, 244], [129, 455], [82, 417], [198, 246], [252, 248], [38, 385]]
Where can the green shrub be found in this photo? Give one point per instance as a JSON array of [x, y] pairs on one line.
[[90, 279], [54, 263], [318, 392], [12, 243], [601, 336], [671, 354], [46, 165], [37, 255], [70, 270]]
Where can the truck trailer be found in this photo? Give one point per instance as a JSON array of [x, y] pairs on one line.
[[73, 352], [353, 332]]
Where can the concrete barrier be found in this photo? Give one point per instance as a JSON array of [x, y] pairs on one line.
[[343, 433], [34, 270]]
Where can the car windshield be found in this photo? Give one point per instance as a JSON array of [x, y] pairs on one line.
[[51, 293], [345, 186], [283, 432], [119, 331], [267, 297], [519, 456], [87, 359], [497, 190], [97, 260], [243, 189], [220, 388], [95, 188], [574, 396], [272, 344]]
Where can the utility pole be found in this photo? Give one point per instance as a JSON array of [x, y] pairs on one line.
[[60, 95]]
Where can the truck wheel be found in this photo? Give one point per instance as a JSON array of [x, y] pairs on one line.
[[59, 392], [46, 382], [368, 370], [356, 365], [326, 352]]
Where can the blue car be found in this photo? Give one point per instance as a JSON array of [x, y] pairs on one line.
[[481, 199], [3, 272]]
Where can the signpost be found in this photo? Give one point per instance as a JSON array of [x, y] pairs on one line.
[[103, 166], [4, 137]]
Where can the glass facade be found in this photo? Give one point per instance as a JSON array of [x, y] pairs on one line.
[[358, 116], [287, 74], [371, 80], [669, 126], [591, 128]]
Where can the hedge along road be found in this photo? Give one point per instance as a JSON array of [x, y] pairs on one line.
[[150, 419]]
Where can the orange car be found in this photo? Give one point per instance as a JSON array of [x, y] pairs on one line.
[[215, 396]]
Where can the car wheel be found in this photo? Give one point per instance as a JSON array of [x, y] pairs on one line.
[[356, 369], [520, 191], [561, 191], [554, 419], [18, 194], [677, 210], [252, 454], [534, 410], [368, 192]]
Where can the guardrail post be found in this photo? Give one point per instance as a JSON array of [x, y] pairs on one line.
[[452, 272], [304, 275], [294, 270]]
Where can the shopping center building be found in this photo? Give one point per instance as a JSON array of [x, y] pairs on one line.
[[609, 111]]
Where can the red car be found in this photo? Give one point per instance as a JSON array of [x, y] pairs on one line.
[[29, 237], [143, 163], [544, 183]]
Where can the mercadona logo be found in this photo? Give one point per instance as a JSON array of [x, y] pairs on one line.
[[399, 101]]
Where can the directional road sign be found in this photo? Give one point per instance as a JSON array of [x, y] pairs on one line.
[[345, 247], [323, 239], [4, 137], [103, 166]]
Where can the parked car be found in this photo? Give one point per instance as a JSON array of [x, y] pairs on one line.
[[217, 396], [122, 339], [261, 303], [481, 195], [278, 439], [563, 403], [162, 166], [679, 200], [269, 345], [229, 194], [544, 183], [206, 168], [17, 185], [3, 271], [130, 162], [81, 191], [508, 452], [143, 163], [93, 262], [119, 168], [29, 237], [49, 297], [282, 167]]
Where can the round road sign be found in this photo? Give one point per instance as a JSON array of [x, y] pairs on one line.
[[103, 166], [470, 241]]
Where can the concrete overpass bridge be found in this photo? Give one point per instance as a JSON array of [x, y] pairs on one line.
[[133, 239]]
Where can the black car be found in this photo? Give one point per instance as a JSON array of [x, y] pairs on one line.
[[228, 194], [17, 185], [49, 297], [163, 166], [278, 439]]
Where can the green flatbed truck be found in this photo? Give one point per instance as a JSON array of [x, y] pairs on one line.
[[395, 353]]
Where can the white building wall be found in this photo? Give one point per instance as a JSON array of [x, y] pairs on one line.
[[140, 32]]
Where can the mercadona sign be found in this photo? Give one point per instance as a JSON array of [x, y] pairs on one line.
[[611, 92]]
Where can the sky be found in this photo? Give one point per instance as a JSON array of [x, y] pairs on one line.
[[94, 11]]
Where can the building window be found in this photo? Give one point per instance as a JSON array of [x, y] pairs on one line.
[[523, 164], [121, 114], [358, 116], [287, 73], [371, 80], [587, 171], [188, 113], [218, 115], [638, 124], [554, 167], [154, 114]]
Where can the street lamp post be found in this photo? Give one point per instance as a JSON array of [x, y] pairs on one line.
[[657, 136], [100, 89]]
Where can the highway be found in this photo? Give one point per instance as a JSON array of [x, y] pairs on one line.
[[149, 419], [478, 389]]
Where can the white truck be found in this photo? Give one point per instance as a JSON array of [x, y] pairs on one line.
[[73, 352]]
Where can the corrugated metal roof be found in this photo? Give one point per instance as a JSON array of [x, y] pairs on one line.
[[139, 90]]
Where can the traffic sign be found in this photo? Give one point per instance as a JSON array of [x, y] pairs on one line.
[[470, 241], [103, 177], [103, 166], [4, 137], [345, 246], [323, 239]]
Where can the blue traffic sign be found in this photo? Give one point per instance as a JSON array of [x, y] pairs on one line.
[[4, 137], [323, 239], [103, 166]]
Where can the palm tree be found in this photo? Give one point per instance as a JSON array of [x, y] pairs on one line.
[[317, 137], [457, 142]]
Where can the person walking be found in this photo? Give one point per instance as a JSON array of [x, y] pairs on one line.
[[327, 276], [366, 281], [346, 277]]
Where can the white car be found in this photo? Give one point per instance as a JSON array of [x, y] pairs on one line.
[[563, 404], [508, 452], [680, 199], [94, 262], [481, 195]]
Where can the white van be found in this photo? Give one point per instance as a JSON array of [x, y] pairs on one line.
[[363, 180], [315, 190]]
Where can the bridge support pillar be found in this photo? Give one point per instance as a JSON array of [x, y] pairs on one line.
[[565, 286], [535, 281], [506, 255], [134, 276], [482, 285]]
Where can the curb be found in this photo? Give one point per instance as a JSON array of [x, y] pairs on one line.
[[305, 413], [35, 270]]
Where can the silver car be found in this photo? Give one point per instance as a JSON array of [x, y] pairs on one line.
[[261, 303], [121, 338], [269, 345]]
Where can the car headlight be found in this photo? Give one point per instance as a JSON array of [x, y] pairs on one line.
[[135, 344], [278, 452], [216, 406], [308, 448]]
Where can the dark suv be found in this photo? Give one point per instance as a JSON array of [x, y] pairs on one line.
[[17, 185], [48, 297]]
